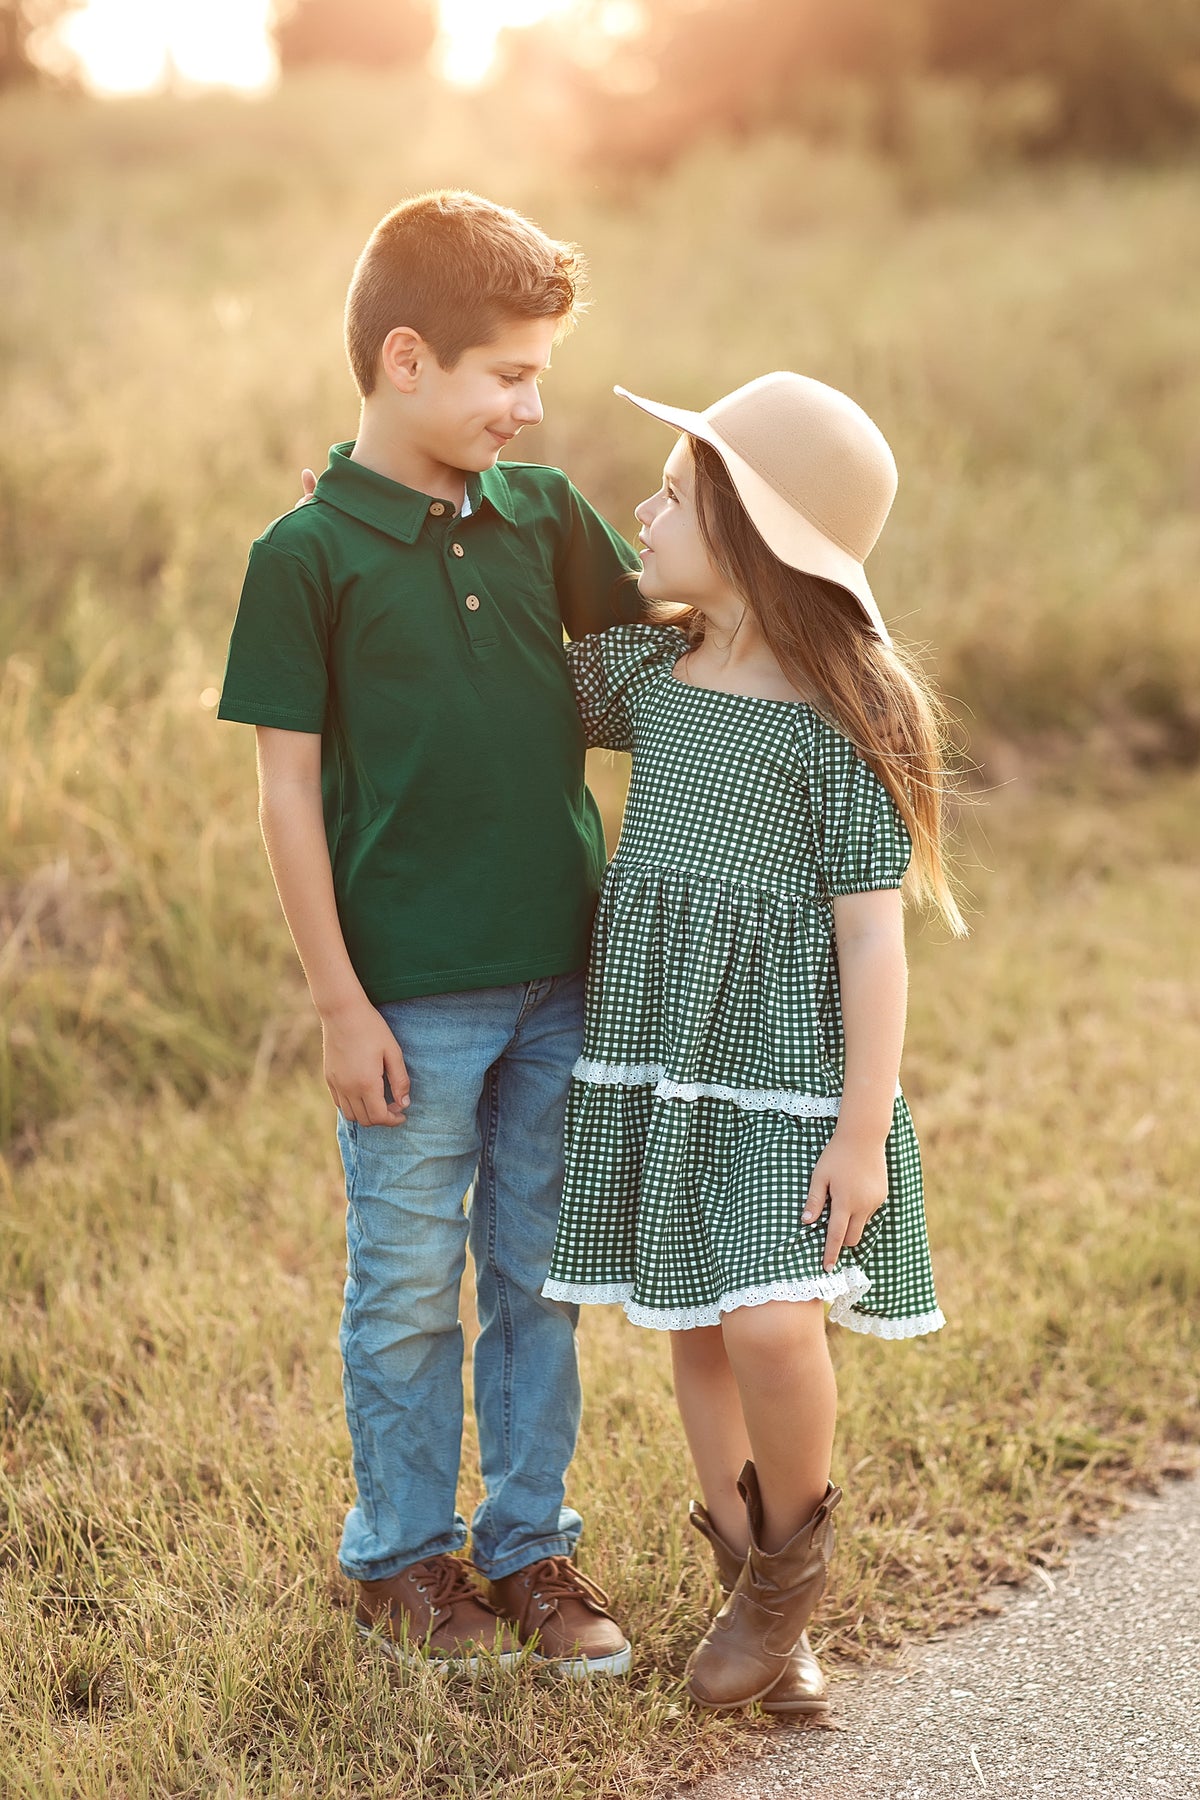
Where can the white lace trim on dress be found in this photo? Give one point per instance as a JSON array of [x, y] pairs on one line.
[[917, 1326], [606, 1074], [799, 1106], [841, 1287], [784, 1100], [588, 1293]]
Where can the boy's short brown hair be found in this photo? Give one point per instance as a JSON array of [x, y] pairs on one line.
[[453, 267]]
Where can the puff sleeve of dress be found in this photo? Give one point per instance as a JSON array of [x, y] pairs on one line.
[[861, 840], [610, 669]]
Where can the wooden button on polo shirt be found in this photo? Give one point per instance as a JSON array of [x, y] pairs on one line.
[[425, 647]]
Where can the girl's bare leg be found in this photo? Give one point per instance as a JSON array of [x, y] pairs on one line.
[[779, 1362], [710, 1405]]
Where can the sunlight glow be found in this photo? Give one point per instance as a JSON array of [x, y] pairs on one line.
[[132, 46], [135, 46], [471, 30]]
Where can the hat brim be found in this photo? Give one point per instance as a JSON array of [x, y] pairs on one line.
[[783, 527]]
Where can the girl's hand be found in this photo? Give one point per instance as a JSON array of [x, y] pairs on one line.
[[308, 482], [360, 1054], [853, 1173]]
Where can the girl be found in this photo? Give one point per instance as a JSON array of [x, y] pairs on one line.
[[738, 1150]]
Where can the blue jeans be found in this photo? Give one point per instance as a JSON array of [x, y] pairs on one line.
[[489, 1072]]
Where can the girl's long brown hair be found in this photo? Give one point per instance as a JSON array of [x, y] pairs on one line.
[[825, 645]]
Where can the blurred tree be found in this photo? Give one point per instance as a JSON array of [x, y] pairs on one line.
[[1122, 75], [1126, 73], [691, 67], [371, 33], [22, 24]]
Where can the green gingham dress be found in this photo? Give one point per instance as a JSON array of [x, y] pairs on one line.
[[713, 1051]]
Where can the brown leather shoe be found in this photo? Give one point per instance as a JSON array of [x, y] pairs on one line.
[[433, 1609], [749, 1645], [801, 1688], [565, 1616]]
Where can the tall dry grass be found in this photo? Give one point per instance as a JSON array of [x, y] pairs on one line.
[[174, 1460], [170, 357], [175, 1464]]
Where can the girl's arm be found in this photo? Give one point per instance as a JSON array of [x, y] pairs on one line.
[[359, 1048], [599, 694], [873, 978]]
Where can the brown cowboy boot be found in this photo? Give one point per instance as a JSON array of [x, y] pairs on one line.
[[433, 1609], [749, 1645], [801, 1688], [565, 1616]]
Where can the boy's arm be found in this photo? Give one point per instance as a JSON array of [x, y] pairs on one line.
[[873, 978], [596, 573], [359, 1049]]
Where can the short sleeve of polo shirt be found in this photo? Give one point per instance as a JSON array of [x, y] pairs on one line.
[[595, 572], [607, 672], [277, 671], [862, 841]]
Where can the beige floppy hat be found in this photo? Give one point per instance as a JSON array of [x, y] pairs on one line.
[[814, 473]]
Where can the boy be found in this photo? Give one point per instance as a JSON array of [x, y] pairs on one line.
[[398, 646]]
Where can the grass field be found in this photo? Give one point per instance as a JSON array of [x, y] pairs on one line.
[[173, 1464]]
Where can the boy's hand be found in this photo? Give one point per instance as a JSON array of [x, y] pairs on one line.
[[360, 1053], [853, 1173], [308, 482]]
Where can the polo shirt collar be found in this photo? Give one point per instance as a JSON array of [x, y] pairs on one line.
[[390, 506], [492, 486]]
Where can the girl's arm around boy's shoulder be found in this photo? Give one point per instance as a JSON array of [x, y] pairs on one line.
[[609, 670]]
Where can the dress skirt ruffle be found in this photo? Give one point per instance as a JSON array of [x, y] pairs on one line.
[[683, 1209]]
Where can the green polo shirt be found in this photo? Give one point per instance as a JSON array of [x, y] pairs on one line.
[[426, 647]]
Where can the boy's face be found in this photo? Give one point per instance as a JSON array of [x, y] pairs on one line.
[[464, 416]]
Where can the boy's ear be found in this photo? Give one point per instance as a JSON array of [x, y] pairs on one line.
[[404, 351]]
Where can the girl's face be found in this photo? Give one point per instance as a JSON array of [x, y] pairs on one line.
[[675, 564]]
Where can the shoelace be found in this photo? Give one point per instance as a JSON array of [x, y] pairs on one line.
[[557, 1578], [447, 1579]]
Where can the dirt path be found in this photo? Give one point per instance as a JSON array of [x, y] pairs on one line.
[[1085, 1687]]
